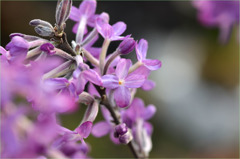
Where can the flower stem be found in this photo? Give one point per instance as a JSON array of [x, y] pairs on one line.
[[103, 54], [90, 36], [135, 66], [33, 52], [117, 121], [57, 70], [90, 58], [116, 118], [63, 54], [109, 61], [64, 45]]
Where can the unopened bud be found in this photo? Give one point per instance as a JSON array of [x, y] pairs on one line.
[[85, 98], [62, 12], [91, 112], [24, 36], [127, 45], [126, 138], [48, 48], [44, 30], [36, 22], [121, 129]]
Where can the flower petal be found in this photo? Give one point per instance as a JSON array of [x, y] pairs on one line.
[[134, 81], [75, 14], [148, 85], [75, 28], [150, 110], [92, 90], [149, 128], [142, 70], [3, 51], [92, 76], [136, 109], [141, 49], [106, 114], [119, 28], [122, 96], [55, 83], [113, 138], [84, 129], [88, 7], [101, 129], [110, 81], [122, 68], [80, 83], [152, 64], [104, 28]]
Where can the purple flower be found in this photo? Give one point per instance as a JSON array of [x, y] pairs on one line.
[[82, 75], [38, 134], [18, 48], [103, 128], [137, 111], [109, 32], [136, 118], [83, 130], [141, 51], [222, 14], [83, 15], [60, 84], [121, 82]]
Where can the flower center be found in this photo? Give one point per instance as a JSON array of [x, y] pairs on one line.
[[120, 82]]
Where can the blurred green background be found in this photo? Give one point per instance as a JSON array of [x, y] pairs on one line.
[[197, 92]]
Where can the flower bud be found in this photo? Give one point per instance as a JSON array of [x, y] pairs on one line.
[[91, 112], [44, 30], [48, 48], [127, 45], [126, 138], [121, 129], [36, 22], [62, 12], [24, 36], [85, 98]]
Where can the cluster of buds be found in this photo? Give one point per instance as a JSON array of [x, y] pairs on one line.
[[52, 77], [123, 133]]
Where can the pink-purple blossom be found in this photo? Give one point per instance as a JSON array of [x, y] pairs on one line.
[[221, 14], [121, 82], [43, 77]]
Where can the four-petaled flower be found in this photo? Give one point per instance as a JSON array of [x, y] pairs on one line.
[[121, 82], [141, 51]]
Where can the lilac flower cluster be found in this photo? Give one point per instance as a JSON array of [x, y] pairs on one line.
[[42, 78], [223, 14]]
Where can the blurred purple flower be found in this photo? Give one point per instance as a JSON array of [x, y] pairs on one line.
[[18, 48], [148, 85], [222, 14]]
